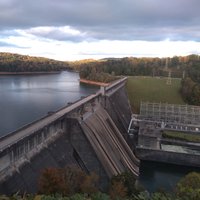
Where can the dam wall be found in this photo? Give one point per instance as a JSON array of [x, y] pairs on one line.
[[70, 148], [119, 109], [108, 143], [86, 134]]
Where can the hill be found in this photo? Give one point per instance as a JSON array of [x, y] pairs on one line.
[[10, 62], [153, 89]]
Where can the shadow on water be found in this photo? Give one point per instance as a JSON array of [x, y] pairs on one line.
[[156, 176]]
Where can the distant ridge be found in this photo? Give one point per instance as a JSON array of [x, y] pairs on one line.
[[10, 62], [112, 58]]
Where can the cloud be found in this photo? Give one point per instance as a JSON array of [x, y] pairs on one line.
[[63, 33], [99, 28], [114, 19], [6, 44], [62, 50]]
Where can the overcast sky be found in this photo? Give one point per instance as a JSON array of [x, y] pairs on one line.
[[79, 29]]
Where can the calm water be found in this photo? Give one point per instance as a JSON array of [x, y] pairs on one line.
[[25, 98], [159, 176]]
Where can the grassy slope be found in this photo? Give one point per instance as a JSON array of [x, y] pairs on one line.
[[153, 90]]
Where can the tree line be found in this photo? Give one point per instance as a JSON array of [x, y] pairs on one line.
[[70, 183], [107, 70], [185, 67], [130, 66], [190, 85], [20, 63]]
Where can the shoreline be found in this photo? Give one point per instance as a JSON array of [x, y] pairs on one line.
[[93, 82], [29, 73]]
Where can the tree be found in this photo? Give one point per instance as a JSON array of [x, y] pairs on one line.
[[67, 181], [51, 182], [188, 188], [127, 180], [195, 96], [89, 184], [117, 190], [174, 61], [187, 86]]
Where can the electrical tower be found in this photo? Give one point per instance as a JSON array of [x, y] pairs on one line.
[[169, 79], [183, 74], [166, 63]]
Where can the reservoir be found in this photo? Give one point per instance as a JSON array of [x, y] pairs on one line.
[[156, 176], [25, 98]]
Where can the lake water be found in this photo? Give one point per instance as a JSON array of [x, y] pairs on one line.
[[156, 176], [25, 98]]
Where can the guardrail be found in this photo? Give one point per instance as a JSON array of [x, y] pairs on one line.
[[116, 83]]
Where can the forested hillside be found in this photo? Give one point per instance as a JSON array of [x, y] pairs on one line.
[[190, 89], [20, 63], [134, 66], [130, 66], [187, 68], [106, 70]]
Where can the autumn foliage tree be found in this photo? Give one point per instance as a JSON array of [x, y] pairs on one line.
[[52, 182], [67, 181], [122, 185], [117, 190], [10, 62]]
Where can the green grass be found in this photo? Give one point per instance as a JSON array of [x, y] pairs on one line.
[[153, 89], [188, 137]]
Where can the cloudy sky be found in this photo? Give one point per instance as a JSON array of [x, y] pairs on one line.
[[79, 29]]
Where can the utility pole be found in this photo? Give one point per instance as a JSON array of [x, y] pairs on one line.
[[166, 63], [169, 79], [183, 74]]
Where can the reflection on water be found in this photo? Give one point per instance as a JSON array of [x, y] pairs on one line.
[[25, 98]]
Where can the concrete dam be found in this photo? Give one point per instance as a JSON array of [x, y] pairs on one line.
[[90, 133]]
